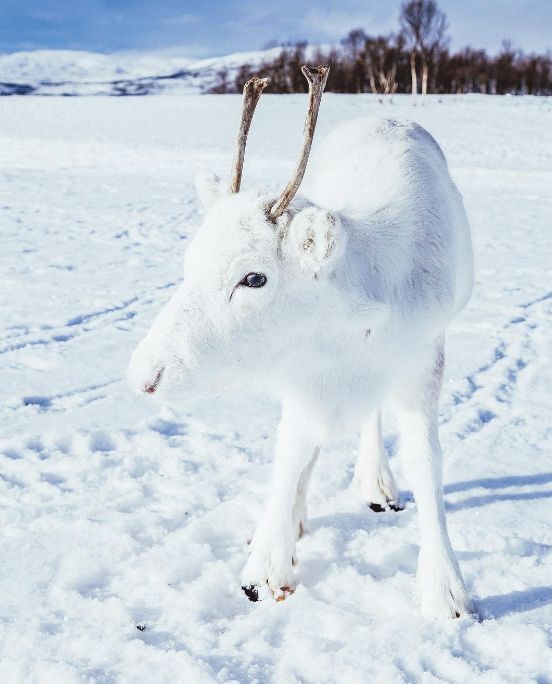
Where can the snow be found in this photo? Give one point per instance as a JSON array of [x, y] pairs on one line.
[[118, 513]]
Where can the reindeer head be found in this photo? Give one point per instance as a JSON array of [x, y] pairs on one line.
[[257, 278]]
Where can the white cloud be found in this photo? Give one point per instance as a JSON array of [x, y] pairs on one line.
[[336, 23]]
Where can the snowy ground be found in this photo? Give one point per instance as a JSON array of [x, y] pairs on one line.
[[116, 513]]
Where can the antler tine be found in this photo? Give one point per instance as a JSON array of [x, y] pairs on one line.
[[317, 82], [252, 91]]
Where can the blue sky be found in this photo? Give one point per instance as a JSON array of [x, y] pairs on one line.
[[215, 27]]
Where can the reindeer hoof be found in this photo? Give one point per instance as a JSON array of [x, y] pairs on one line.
[[251, 591], [393, 505], [282, 593]]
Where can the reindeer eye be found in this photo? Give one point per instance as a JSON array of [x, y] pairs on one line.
[[250, 280], [254, 280]]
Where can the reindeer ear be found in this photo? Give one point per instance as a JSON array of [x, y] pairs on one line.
[[208, 187], [315, 239]]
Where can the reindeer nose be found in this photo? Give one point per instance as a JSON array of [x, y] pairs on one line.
[[150, 388]]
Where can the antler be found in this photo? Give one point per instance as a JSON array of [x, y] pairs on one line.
[[251, 93], [317, 81]]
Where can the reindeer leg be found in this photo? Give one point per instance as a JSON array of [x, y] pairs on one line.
[[300, 507], [372, 473], [269, 568], [440, 584]]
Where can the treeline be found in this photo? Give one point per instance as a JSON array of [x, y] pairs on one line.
[[414, 60]]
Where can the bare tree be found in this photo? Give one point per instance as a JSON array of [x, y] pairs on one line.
[[410, 22], [221, 83], [353, 46], [384, 65], [382, 56], [424, 28], [434, 39]]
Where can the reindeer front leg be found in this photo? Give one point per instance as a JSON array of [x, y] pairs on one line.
[[269, 569]]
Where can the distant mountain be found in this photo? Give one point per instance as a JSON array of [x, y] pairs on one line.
[[68, 72]]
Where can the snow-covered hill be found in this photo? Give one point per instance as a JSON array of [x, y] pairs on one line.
[[123, 525], [68, 72]]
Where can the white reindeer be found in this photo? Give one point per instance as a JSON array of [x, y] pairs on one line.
[[335, 301]]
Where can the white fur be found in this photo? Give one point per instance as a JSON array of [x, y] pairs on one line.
[[364, 272]]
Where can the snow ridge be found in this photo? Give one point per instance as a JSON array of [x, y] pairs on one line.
[[72, 72]]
